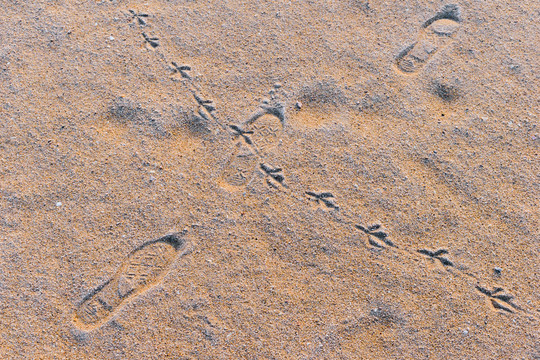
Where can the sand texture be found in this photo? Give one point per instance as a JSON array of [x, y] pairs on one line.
[[303, 179]]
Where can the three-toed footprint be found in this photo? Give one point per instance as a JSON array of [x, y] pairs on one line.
[[143, 268], [436, 33]]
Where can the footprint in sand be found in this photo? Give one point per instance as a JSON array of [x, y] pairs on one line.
[[267, 134], [258, 138], [266, 123], [239, 169], [143, 268], [436, 34]]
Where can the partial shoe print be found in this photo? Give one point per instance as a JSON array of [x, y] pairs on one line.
[[273, 105], [266, 128], [258, 141], [267, 134], [436, 33], [143, 268], [239, 168]]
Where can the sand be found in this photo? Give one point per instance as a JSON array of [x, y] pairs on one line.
[[269, 180]]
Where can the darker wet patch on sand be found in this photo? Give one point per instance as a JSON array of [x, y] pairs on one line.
[[445, 92], [322, 92], [129, 112]]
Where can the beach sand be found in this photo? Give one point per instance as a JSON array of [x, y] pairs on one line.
[[235, 179]]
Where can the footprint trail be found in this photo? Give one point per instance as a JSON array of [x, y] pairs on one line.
[[254, 139]]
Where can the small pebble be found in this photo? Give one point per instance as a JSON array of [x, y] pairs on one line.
[[111, 38], [58, 204], [497, 270], [298, 105]]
